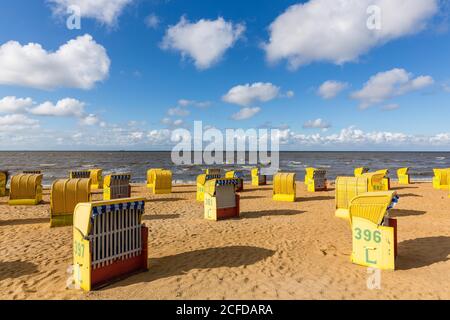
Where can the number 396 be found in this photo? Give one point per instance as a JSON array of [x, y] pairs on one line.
[[367, 235]]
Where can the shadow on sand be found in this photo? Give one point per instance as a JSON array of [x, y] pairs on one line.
[[422, 252], [405, 213], [14, 222], [160, 217], [268, 213], [16, 269]]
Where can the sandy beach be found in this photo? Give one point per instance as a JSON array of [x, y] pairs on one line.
[[275, 250]]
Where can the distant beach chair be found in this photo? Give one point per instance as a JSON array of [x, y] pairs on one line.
[[346, 189], [284, 187], [441, 179], [239, 175], [80, 174], [360, 171], [221, 201], [258, 179], [109, 241], [64, 196], [117, 186], [4, 175], [96, 176], [375, 181], [159, 181], [26, 189], [32, 172], [213, 171], [386, 181], [316, 180], [374, 234], [403, 176], [201, 180]]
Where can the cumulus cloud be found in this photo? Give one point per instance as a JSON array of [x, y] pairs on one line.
[[178, 112], [152, 21], [198, 104], [15, 122], [89, 120], [389, 84], [246, 113], [80, 63], [11, 104], [171, 123], [104, 11], [67, 107], [316, 124], [205, 41], [330, 89], [337, 31], [245, 95]]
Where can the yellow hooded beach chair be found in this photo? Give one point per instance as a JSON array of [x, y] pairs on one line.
[[257, 178], [441, 179], [64, 196], [346, 189], [375, 181], [360, 171], [159, 181], [3, 182], [26, 189], [117, 186], [309, 174], [221, 201], [316, 180], [385, 182], [374, 234], [403, 176], [284, 187], [201, 180], [96, 176], [236, 174]]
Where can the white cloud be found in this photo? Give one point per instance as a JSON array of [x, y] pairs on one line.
[[67, 107], [12, 104], [245, 95], [80, 63], [15, 122], [246, 113], [198, 104], [172, 123], [89, 120], [330, 89], [105, 11], [337, 32], [316, 124], [152, 21], [390, 107], [179, 112], [205, 41], [389, 84]]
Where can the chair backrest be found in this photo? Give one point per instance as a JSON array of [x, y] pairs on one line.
[[67, 193], [347, 188], [3, 182], [284, 183], [402, 171], [372, 206], [96, 176], [360, 171], [151, 175], [375, 180], [25, 186]]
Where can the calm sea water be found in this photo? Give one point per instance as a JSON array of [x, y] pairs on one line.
[[56, 165]]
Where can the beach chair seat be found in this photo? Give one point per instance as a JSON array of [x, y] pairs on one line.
[[239, 175], [346, 189], [386, 181], [117, 186], [441, 179], [159, 181], [109, 241], [360, 171], [65, 194], [96, 176], [221, 201], [284, 187], [79, 174], [318, 180], [201, 180], [258, 179], [4, 175], [403, 176], [374, 233], [26, 189]]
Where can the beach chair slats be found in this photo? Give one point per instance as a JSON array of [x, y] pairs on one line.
[[110, 241], [258, 179], [26, 189], [346, 188], [441, 179], [65, 194], [4, 175], [403, 176], [374, 233], [315, 179], [284, 187], [360, 171], [159, 181], [96, 176], [32, 172], [79, 174], [116, 186], [220, 199]]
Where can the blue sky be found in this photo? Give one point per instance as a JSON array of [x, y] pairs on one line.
[[230, 64]]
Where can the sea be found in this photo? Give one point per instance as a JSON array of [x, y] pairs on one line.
[[57, 164]]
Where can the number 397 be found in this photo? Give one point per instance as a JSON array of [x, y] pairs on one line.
[[367, 235]]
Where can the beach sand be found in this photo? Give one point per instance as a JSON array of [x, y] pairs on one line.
[[275, 250]]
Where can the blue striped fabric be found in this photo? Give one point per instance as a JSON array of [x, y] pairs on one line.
[[137, 205], [222, 182], [394, 202]]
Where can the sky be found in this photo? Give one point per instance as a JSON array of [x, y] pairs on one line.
[[328, 74]]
